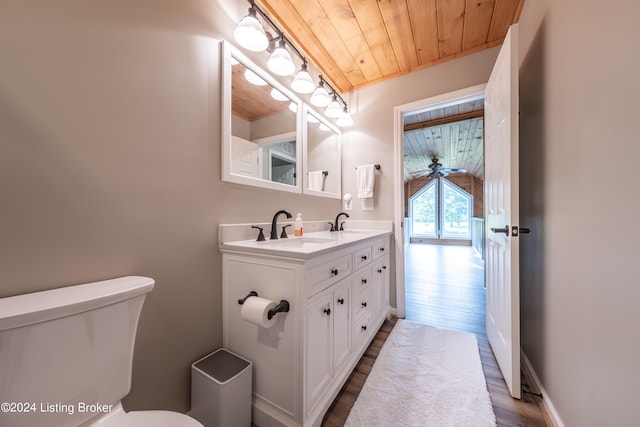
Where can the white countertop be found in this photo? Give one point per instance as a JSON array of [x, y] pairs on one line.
[[310, 244]]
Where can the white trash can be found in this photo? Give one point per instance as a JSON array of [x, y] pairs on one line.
[[221, 390]]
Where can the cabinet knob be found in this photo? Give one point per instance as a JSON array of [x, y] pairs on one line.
[[364, 304], [364, 257], [364, 281], [364, 327], [334, 271], [382, 249], [327, 311], [340, 300], [379, 270]]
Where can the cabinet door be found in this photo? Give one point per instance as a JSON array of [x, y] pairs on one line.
[[380, 285], [319, 366], [342, 322]]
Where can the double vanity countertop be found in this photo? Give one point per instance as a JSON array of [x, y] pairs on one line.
[[310, 244]]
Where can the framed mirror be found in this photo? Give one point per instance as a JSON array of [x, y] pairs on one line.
[[322, 156], [261, 127]]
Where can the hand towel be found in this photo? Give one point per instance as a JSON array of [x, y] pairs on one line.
[[365, 179], [316, 180]]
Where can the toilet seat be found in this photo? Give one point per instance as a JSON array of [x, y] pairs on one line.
[[119, 418]]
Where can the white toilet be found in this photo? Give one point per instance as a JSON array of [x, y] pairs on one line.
[[66, 355]]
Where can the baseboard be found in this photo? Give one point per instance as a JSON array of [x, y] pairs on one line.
[[546, 400]]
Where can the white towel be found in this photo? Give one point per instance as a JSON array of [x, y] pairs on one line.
[[365, 179], [316, 180]]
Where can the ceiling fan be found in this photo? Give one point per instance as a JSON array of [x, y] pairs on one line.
[[436, 170]]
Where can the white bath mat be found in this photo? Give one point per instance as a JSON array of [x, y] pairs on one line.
[[425, 376]]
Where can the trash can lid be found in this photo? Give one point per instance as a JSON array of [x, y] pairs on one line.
[[222, 365]]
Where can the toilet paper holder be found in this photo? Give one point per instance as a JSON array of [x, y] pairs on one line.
[[282, 307]]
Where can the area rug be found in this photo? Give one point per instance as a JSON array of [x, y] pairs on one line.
[[425, 376]]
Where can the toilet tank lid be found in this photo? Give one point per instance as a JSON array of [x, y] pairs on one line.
[[26, 309]]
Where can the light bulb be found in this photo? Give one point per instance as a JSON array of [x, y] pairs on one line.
[[280, 61], [302, 82], [345, 118], [249, 33], [278, 96], [253, 78], [320, 97], [334, 109], [293, 107]]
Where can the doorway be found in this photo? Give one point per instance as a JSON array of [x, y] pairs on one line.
[[403, 239]]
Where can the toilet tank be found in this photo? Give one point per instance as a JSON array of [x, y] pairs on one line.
[[66, 354]]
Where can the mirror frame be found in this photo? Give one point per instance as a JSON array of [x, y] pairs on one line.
[[305, 155], [228, 51]]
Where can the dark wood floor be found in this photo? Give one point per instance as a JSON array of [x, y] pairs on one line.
[[445, 288]]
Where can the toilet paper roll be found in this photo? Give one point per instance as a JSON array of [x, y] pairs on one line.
[[256, 310]]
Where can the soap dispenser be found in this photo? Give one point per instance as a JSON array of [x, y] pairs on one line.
[[297, 228]]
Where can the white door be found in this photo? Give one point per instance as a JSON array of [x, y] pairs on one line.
[[502, 214], [244, 157]]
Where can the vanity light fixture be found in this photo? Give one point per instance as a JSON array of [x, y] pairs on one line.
[[334, 109], [280, 61], [252, 36], [344, 120], [312, 119], [320, 97], [302, 82], [253, 78], [249, 32]]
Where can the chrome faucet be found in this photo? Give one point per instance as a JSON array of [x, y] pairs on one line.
[[336, 227], [274, 226]]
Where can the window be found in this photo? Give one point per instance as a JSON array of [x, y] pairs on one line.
[[441, 210]]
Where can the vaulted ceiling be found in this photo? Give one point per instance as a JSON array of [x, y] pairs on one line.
[[454, 135], [355, 43]]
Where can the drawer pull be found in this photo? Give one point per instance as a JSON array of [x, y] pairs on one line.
[[364, 257], [340, 300], [334, 271], [327, 311], [379, 271], [364, 327], [364, 281], [364, 304], [381, 249]]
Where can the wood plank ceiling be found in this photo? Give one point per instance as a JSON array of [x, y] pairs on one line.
[[454, 135], [355, 43]]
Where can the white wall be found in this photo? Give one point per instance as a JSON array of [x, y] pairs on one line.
[[579, 165]]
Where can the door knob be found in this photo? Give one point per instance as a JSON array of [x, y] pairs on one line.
[[504, 230], [515, 230]]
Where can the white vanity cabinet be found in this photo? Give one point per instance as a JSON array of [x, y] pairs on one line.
[[337, 300]]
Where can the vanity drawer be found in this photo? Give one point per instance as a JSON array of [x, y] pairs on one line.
[[328, 270], [361, 329], [362, 303], [361, 279], [379, 248], [361, 257]]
